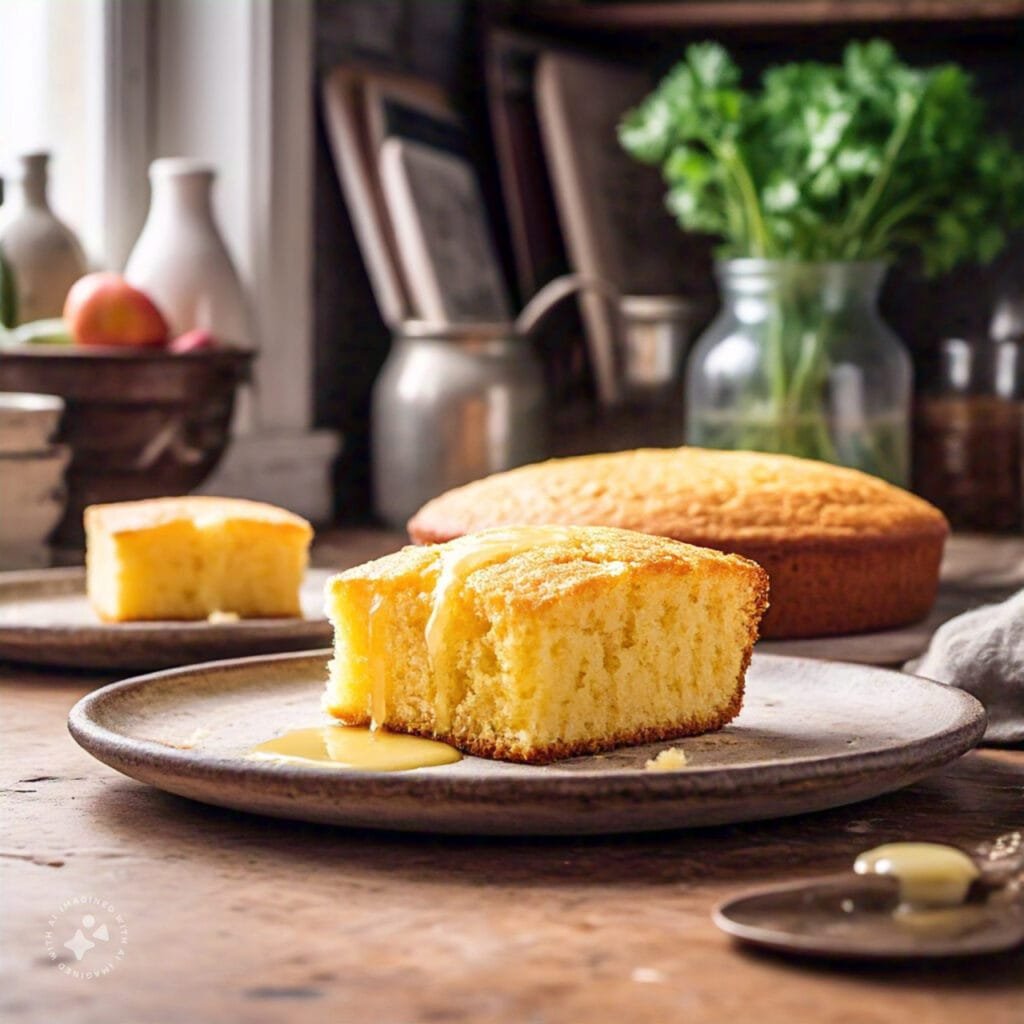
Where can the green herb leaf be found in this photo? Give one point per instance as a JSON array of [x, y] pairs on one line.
[[864, 159]]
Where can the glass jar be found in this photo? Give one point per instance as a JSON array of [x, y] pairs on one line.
[[970, 435], [799, 361]]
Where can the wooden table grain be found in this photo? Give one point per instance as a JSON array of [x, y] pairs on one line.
[[230, 917]]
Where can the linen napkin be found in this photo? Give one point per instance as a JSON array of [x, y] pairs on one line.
[[982, 652]]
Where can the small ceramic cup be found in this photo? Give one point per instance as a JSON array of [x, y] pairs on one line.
[[33, 495], [28, 422]]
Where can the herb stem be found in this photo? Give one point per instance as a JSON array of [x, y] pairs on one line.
[[853, 229], [731, 159], [878, 234]]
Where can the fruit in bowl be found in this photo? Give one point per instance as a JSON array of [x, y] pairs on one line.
[[145, 416], [41, 332], [196, 340], [104, 309]]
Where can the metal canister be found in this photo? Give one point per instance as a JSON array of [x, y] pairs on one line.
[[453, 402], [656, 331]]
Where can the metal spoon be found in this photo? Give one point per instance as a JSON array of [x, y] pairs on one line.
[[857, 916]]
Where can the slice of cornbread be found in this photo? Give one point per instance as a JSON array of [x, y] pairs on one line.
[[538, 643], [191, 557]]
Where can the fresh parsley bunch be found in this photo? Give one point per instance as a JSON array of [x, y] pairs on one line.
[[860, 160]]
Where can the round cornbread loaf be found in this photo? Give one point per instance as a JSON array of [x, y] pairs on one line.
[[845, 552]]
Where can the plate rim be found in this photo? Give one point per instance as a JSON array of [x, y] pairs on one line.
[[74, 573], [970, 722]]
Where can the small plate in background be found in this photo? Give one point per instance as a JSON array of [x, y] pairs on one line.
[[46, 619]]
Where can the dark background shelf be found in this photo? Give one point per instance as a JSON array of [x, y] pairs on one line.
[[744, 13]]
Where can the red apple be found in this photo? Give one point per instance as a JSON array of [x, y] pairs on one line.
[[196, 340], [104, 309]]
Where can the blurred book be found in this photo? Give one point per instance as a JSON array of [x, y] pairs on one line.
[[538, 249], [611, 209], [356, 165], [446, 250], [539, 256], [413, 196], [405, 107]]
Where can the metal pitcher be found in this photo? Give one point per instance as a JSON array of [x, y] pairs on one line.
[[453, 402], [456, 402]]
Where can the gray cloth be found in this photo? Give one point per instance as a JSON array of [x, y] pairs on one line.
[[982, 652]]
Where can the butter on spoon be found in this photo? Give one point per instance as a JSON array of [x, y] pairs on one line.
[[928, 874]]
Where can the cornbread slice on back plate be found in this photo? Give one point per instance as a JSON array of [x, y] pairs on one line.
[[191, 557], [538, 643]]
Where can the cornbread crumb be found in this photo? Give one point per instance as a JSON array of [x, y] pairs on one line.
[[195, 737], [194, 558], [671, 759], [218, 617], [537, 643]]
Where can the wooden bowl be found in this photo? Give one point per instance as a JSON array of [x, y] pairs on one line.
[[140, 424]]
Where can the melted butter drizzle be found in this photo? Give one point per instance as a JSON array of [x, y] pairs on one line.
[[934, 880], [378, 680], [467, 554], [458, 559], [941, 922], [357, 748]]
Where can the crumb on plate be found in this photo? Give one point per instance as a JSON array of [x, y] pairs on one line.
[[186, 742], [219, 617], [671, 759]]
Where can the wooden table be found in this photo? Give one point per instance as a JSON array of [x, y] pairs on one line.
[[236, 918]]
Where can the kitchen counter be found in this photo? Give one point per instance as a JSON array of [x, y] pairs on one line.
[[232, 917]]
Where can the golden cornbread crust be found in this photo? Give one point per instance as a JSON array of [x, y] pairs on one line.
[[846, 552], [585, 565], [560, 751], [833, 588], [531, 578], [132, 516]]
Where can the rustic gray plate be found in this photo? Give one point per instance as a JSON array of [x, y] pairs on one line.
[[812, 735], [883, 647], [45, 619]]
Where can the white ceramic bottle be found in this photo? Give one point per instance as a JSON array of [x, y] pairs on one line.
[[43, 253], [180, 259]]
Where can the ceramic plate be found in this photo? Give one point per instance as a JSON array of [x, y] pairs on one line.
[[896, 646], [883, 647], [812, 735], [46, 619]]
